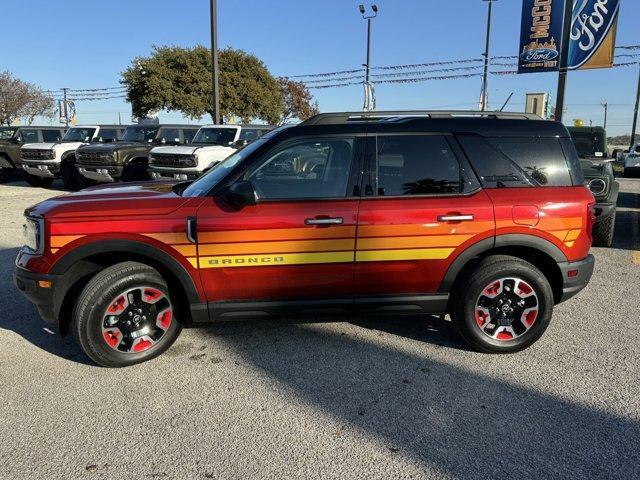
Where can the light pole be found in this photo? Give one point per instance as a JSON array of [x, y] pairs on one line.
[[215, 101], [367, 84], [605, 105], [485, 74], [635, 116]]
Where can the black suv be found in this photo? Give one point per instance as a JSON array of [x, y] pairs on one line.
[[12, 138], [127, 159]]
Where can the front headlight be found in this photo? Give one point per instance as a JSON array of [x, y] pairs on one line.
[[33, 231], [52, 154], [191, 161]]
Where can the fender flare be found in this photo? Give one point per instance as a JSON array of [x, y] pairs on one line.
[[488, 244], [66, 263]]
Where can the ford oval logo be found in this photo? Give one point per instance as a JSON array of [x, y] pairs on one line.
[[539, 55]]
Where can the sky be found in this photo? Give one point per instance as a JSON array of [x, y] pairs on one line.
[[86, 44]]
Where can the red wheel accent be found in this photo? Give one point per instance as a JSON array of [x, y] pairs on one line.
[[530, 317], [482, 317], [504, 336], [118, 305], [164, 319], [141, 345], [493, 289], [525, 288], [112, 338], [152, 295]]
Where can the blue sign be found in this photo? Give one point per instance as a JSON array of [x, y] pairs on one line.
[[593, 33], [541, 35]]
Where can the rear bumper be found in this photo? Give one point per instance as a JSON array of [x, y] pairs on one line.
[[43, 298], [575, 276]]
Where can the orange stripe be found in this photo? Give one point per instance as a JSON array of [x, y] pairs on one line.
[[179, 237], [62, 240], [301, 233], [424, 229], [54, 250], [412, 242], [276, 247], [186, 250]]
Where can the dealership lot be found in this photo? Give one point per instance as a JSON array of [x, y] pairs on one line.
[[351, 398]]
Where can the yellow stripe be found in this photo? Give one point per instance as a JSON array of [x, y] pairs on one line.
[[193, 261], [573, 234], [411, 254], [186, 250], [301, 233], [269, 260], [569, 244], [54, 250], [412, 242], [560, 234], [58, 241], [179, 237], [280, 247]]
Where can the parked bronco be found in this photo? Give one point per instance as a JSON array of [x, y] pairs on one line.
[[212, 144], [12, 138], [45, 161], [484, 216], [591, 144], [127, 160]]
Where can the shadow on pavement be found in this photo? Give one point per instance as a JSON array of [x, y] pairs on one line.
[[466, 425], [627, 229]]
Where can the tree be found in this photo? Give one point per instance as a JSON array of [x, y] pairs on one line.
[[176, 78], [19, 99], [297, 100]]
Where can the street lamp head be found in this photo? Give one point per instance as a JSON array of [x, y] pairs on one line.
[[361, 8], [374, 7]]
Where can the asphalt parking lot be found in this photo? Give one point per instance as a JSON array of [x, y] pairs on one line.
[[353, 398]]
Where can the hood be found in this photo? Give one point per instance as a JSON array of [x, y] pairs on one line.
[[113, 201], [40, 146], [109, 147], [175, 150]]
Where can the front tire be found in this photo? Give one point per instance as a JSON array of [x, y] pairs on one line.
[[70, 175], [40, 182], [503, 306], [125, 316], [603, 231]]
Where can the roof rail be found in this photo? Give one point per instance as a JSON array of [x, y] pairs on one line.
[[344, 117]]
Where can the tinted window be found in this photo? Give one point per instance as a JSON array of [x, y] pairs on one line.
[[417, 165], [307, 169], [6, 132], [248, 135], [51, 135], [188, 135], [139, 134], [170, 135], [588, 143], [108, 134], [541, 158], [215, 136], [29, 135], [78, 134]]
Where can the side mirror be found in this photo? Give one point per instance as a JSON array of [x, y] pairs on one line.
[[620, 156], [242, 194], [97, 140], [240, 143]]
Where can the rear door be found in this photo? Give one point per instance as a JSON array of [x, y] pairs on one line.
[[424, 208], [298, 242]]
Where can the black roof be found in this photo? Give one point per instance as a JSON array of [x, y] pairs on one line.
[[495, 124], [163, 125], [62, 127]]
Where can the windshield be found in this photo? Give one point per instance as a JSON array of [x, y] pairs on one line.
[[79, 134], [215, 136], [589, 144], [140, 134], [7, 132], [209, 180]]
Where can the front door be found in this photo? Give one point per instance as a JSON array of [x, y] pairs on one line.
[[298, 242], [425, 208]]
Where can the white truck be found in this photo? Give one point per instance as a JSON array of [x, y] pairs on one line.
[[632, 162], [212, 144], [43, 162]]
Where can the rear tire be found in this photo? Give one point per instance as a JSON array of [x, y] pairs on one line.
[[603, 231], [70, 175], [479, 319], [120, 318], [36, 181], [135, 172], [84, 182]]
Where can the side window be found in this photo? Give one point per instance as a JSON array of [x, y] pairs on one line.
[[51, 135], [170, 135], [29, 135], [108, 134], [416, 165], [188, 135], [247, 135], [541, 158], [306, 169]]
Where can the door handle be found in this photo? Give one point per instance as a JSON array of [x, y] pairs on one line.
[[324, 221], [455, 218]]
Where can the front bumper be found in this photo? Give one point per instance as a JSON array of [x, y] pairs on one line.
[[29, 284], [39, 169], [575, 276], [173, 174], [102, 173]]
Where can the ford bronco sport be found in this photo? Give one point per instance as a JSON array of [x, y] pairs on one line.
[[482, 216], [45, 161], [591, 145], [127, 160], [12, 139], [212, 144]]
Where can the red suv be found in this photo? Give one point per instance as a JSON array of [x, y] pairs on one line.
[[481, 216]]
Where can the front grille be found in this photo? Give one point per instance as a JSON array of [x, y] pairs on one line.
[[93, 158], [33, 154], [171, 160]]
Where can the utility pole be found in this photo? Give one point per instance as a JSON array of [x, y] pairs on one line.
[[367, 85], [485, 75], [635, 116], [215, 101], [605, 105], [65, 106], [564, 60]]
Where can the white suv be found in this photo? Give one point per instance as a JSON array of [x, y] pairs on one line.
[[43, 162], [212, 144], [632, 162]]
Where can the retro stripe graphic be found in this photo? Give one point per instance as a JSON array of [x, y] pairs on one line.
[[338, 244]]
